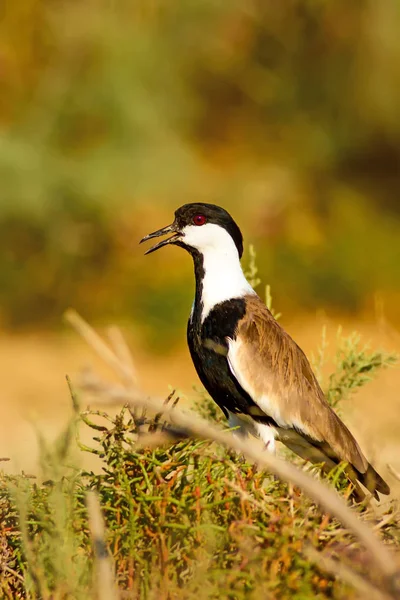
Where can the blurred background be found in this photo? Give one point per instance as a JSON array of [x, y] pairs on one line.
[[114, 113]]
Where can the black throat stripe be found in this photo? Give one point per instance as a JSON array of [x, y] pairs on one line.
[[209, 349]]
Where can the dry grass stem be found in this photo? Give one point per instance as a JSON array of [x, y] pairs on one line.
[[104, 576], [197, 427], [123, 354], [326, 497], [391, 518], [98, 345]]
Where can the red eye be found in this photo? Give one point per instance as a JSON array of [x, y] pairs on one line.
[[199, 219]]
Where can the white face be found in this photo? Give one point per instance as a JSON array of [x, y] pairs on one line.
[[210, 238]]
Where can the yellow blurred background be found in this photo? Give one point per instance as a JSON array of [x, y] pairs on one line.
[[114, 113]]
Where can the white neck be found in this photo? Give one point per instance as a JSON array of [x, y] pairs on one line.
[[223, 276], [223, 279]]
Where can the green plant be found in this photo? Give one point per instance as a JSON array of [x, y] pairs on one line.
[[184, 518], [355, 365]]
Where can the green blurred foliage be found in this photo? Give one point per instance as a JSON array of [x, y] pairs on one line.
[[112, 114]]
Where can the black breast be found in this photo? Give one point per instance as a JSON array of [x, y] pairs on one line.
[[209, 348]]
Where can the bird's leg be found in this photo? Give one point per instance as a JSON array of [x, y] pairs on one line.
[[240, 431], [267, 434]]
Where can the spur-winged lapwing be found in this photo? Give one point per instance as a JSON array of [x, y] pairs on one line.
[[247, 362]]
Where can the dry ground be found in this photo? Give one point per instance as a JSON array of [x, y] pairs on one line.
[[35, 396]]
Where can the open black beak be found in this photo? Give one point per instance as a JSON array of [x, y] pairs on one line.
[[163, 231]]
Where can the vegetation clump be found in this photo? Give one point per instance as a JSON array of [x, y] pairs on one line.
[[184, 518]]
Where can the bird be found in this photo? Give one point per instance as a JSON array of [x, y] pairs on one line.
[[251, 367]]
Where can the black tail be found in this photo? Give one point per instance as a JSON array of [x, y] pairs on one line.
[[373, 482]]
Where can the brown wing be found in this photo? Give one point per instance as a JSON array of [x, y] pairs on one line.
[[275, 372]]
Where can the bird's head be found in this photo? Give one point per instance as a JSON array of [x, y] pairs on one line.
[[201, 227]]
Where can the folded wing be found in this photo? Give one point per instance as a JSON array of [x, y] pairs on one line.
[[275, 372]]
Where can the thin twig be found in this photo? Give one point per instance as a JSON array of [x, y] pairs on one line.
[[73, 394], [12, 572], [385, 521]]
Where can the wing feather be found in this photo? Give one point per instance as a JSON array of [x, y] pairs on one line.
[[275, 372]]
